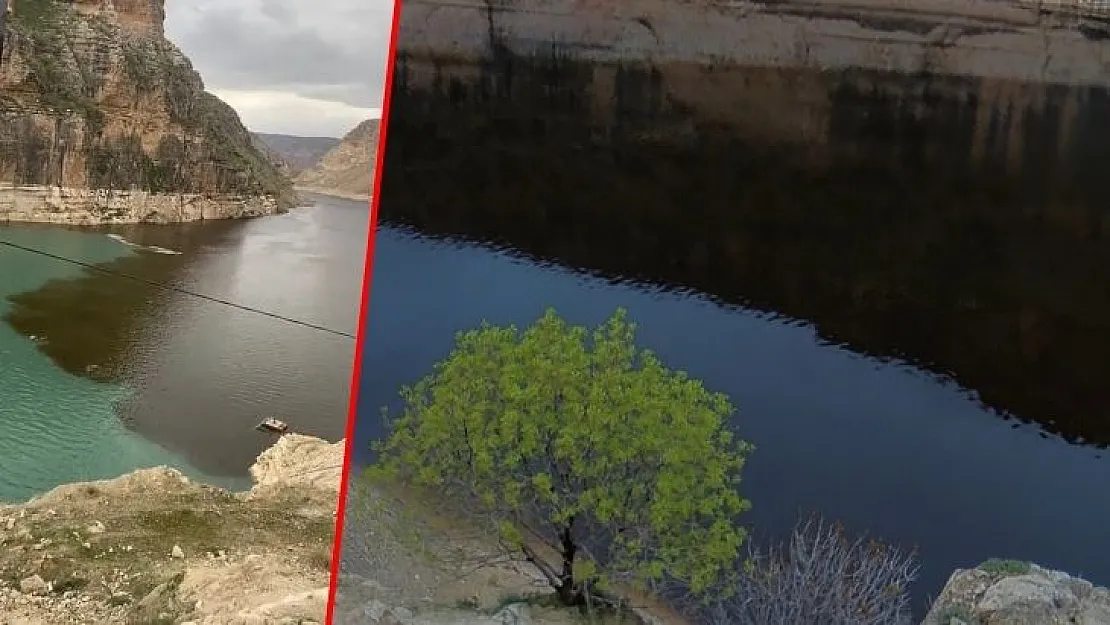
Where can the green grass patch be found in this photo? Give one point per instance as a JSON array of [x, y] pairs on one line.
[[36, 14], [191, 529], [1005, 568]]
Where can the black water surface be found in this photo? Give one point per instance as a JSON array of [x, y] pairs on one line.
[[908, 300]]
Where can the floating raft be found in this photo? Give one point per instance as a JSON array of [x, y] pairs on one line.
[[272, 425]]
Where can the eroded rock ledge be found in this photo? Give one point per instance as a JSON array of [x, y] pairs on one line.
[[89, 207], [153, 546]]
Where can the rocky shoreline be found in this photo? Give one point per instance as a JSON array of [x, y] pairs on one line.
[[153, 546], [354, 197], [91, 207]]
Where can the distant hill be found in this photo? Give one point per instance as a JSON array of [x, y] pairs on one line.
[[295, 153], [347, 170], [272, 156]]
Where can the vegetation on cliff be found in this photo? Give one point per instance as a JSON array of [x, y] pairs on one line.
[[44, 30], [91, 101]]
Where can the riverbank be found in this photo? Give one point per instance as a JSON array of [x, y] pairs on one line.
[[335, 193], [153, 546], [96, 207]]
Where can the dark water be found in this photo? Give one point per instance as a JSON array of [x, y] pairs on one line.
[[884, 447], [903, 282], [191, 376]]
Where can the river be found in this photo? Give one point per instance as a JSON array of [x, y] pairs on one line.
[[104, 374], [885, 447]]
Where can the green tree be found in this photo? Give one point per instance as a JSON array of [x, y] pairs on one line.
[[578, 444]]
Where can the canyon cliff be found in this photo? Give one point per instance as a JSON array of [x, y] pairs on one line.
[[103, 120], [347, 170]]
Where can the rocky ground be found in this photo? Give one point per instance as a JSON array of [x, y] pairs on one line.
[[1007, 592], [153, 547], [408, 560]]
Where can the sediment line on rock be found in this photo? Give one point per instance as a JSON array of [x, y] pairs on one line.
[[83, 206]]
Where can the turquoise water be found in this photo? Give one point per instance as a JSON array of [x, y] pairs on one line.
[[55, 427]]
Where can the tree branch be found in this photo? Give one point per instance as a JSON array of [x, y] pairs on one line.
[[540, 564]]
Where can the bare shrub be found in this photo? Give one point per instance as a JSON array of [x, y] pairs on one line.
[[818, 576]]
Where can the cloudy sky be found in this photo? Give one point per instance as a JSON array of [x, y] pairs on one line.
[[299, 67]]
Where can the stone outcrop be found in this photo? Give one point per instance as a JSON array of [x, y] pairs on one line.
[[100, 109], [154, 546], [1018, 593], [298, 462], [347, 170]]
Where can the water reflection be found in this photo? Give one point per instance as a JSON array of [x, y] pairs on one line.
[[201, 374], [955, 224]]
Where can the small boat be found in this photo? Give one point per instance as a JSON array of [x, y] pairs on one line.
[[273, 425]]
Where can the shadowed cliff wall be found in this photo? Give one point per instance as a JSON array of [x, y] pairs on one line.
[[954, 219]]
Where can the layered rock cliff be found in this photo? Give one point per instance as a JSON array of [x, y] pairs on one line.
[[104, 120], [347, 170]]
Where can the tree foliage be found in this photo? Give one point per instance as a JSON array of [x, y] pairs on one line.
[[593, 459]]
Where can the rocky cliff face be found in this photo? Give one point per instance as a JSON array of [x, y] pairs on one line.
[[347, 170], [104, 120]]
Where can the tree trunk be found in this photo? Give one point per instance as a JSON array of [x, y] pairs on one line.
[[568, 589]]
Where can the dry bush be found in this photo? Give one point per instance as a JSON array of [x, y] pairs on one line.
[[818, 576]]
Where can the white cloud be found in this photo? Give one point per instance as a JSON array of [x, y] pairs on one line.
[[304, 67], [284, 112]]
